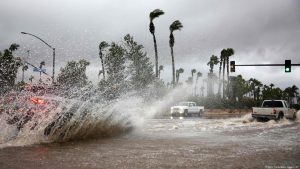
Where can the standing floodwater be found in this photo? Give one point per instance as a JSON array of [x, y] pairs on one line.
[[173, 143]]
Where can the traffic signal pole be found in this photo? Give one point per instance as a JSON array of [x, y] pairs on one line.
[[288, 65], [268, 65]]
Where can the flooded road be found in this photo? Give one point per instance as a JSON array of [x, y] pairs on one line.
[[238, 142]]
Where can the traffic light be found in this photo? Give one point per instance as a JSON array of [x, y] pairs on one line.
[[232, 66], [288, 66]]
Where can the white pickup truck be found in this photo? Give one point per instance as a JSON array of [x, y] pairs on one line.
[[273, 109], [187, 109]]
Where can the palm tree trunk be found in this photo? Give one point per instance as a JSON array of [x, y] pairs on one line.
[[227, 90], [223, 78], [156, 55], [173, 67], [102, 64], [220, 69], [196, 86]]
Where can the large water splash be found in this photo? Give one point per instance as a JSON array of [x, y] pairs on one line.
[[81, 115]]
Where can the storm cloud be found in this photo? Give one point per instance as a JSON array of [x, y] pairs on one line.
[[259, 31]]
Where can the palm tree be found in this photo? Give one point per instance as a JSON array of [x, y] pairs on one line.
[[24, 68], [176, 25], [14, 47], [193, 71], [178, 72], [199, 74], [223, 56], [192, 79], [155, 14], [102, 46], [294, 91], [220, 70], [161, 68], [214, 60], [31, 78], [41, 66], [271, 86], [229, 52]]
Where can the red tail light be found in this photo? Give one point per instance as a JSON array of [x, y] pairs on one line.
[[38, 101]]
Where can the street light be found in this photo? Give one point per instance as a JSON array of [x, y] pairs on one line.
[[49, 47]]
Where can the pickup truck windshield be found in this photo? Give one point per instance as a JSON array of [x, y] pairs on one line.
[[183, 104], [272, 104]]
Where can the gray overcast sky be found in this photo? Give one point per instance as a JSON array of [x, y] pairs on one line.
[[260, 31]]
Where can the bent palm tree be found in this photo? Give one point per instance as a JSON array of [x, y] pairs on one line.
[[155, 14], [178, 72], [214, 60], [102, 46], [229, 52], [176, 25], [223, 55]]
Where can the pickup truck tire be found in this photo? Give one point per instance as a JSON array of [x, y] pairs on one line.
[[280, 116]]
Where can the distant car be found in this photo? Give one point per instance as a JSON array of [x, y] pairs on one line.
[[273, 109], [187, 109]]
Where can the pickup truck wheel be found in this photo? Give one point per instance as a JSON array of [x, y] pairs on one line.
[[280, 116]]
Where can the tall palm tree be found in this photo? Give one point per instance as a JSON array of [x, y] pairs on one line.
[[102, 46], [192, 79], [223, 56], [176, 25], [271, 86], [220, 70], [199, 74], [161, 68], [155, 14], [214, 60], [24, 68], [41, 66], [193, 71], [229, 52], [178, 72], [294, 90]]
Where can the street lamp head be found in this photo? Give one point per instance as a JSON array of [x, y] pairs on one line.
[[23, 32]]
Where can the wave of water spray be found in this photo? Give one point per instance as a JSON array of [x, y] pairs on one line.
[[23, 122], [62, 119]]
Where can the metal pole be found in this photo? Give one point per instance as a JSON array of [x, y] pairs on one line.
[[268, 65], [53, 65], [49, 47]]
